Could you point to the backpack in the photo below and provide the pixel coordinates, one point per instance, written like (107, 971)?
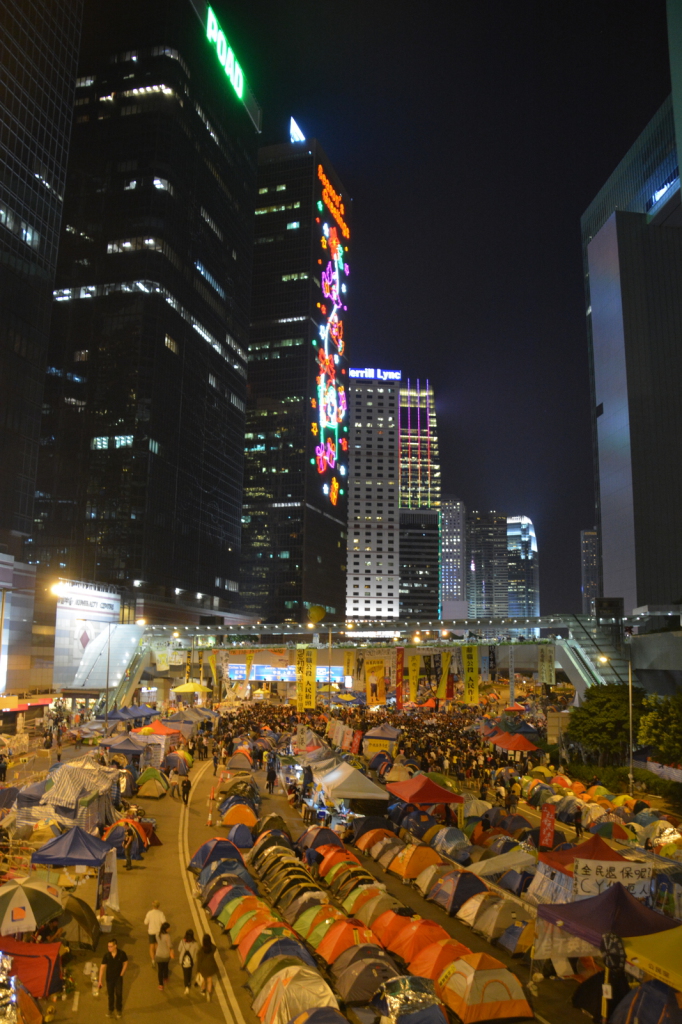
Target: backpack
(187, 959)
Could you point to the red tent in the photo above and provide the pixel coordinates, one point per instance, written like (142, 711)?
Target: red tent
(36, 965)
(159, 728)
(421, 790)
(593, 849)
(513, 742)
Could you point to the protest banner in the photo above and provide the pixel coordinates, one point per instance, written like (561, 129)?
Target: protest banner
(547, 820)
(590, 877)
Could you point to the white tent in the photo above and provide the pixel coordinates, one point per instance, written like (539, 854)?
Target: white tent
(514, 860)
(347, 783)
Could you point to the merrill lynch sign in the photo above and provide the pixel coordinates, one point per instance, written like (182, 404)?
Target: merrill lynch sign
(371, 374)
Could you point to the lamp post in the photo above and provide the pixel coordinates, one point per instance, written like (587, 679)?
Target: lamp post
(631, 776)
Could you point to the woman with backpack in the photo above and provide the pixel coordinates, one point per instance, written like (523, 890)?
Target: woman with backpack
(188, 948)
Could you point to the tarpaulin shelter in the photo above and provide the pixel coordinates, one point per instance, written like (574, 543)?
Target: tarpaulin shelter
(37, 966)
(515, 860)
(74, 847)
(420, 790)
(412, 860)
(478, 987)
(659, 955)
(575, 929)
(347, 783)
(418, 933)
(431, 960)
(453, 890)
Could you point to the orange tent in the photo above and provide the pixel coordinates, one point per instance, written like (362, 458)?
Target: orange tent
(159, 729)
(240, 814)
(246, 904)
(264, 917)
(412, 860)
(578, 787)
(480, 831)
(341, 936)
(388, 926)
(431, 960)
(420, 932)
(478, 987)
(336, 856)
(372, 837)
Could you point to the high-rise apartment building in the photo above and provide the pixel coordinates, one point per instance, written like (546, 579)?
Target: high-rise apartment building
(589, 569)
(296, 474)
(374, 493)
(487, 565)
(39, 52)
(632, 254)
(420, 497)
(453, 587)
(140, 478)
(523, 571)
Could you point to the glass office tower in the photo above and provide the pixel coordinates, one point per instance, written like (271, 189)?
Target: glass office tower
(487, 565)
(523, 570)
(589, 570)
(296, 472)
(140, 480)
(453, 587)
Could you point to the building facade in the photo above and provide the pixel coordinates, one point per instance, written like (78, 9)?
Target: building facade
(523, 570)
(140, 476)
(589, 569)
(39, 46)
(420, 500)
(453, 587)
(487, 565)
(632, 256)
(296, 472)
(374, 495)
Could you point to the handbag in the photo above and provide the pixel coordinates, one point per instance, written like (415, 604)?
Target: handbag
(198, 979)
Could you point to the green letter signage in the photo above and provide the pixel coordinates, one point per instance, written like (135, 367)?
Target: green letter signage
(226, 56)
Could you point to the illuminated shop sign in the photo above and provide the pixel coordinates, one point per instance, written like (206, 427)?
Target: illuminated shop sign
(330, 425)
(231, 66)
(371, 374)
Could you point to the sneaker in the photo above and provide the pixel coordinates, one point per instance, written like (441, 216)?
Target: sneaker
(160, 988)
(119, 1015)
(186, 991)
(108, 1015)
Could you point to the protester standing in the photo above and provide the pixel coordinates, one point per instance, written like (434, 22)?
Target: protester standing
(113, 967)
(188, 951)
(128, 840)
(154, 918)
(186, 787)
(271, 778)
(164, 954)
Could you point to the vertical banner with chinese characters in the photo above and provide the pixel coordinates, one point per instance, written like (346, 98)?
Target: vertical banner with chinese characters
(547, 818)
(512, 679)
(349, 664)
(413, 674)
(484, 664)
(188, 666)
(470, 659)
(249, 664)
(446, 658)
(357, 740)
(306, 684)
(399, 669)
(375, 670)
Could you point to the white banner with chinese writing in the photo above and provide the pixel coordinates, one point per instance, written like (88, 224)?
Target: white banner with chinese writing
(590, 877)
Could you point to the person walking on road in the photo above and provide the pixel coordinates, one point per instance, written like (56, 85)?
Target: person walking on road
(154, 918)
(113, 967)
(164, 954)
(271, 778)
(174, 780)
(188, 951)
(206, 966)
(128, 840)
(185, 786)
(215, 760)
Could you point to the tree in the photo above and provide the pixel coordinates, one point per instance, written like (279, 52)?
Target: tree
(602, 723)
(661, 726)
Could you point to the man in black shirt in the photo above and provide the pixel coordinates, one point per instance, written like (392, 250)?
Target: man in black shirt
(115, 964)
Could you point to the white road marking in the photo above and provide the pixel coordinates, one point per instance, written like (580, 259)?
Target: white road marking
(226, 997)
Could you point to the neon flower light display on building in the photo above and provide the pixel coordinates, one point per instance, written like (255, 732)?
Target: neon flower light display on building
(330, 426)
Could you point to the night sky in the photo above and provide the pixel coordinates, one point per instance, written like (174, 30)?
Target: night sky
(471, 137)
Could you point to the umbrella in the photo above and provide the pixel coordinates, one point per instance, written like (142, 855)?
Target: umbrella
(25, 906)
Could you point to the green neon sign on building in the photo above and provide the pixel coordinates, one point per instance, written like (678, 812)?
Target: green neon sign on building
(226, 56)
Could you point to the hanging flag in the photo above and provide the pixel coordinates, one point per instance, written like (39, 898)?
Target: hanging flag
(547, 818)
(349, 663)
(413, 673)
(446, 658)
(470, 659)
(306, 678)
(399, 669)
(249, 663)
(374, 680)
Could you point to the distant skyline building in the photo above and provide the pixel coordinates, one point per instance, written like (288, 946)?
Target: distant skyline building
(373, 505)
(295, 516)
(38, 76)
(420, 497)
(142, 447)
(523, 571)
(589, 569)
(487, 565)
(453, 589)
(632, 258)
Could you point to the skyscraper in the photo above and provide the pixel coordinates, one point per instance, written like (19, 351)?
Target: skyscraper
(523, 572)
(589, 569)
(374, 493)
(453, 589)
(141, 463)
(632, 256)
(487, 565)
(39, 46)
(420, 496)
(296, 474)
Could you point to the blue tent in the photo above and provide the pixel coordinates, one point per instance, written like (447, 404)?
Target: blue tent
(418, 823)
(75, 847)
(397, 811)
(234, 884)
(509, 938)
(427, 1015)
(8, 796)
(228, 893)
(515, 881)
(126, 746)
(495, 815)
(449, 841)
(241, 836)
(213, 849)
(379, 759)
(654, 1002)
(454, 889)
(316, 836)
(114, 716)
(232, 801)
(514, 822)
(215, 868)
(289, 947)
(174, 760)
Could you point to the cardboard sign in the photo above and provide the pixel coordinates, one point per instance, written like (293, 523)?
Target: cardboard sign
(590, 877)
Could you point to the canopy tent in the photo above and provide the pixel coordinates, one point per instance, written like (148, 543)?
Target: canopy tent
(576, 929)
(74, 847)
(517, 741)
(383, 732)
(422, 791)
(515, 860)
(126, 745)
(158, 729)
(659, 955)
(37, 967)
(347, 783)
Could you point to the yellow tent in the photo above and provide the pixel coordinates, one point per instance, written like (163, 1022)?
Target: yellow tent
(412, 860)
(240, 814)
(659, 955)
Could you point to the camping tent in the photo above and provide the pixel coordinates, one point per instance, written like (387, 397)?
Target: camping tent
(37, 967)
(478, 987)
(514, 860)
(412, 860)
(79, 923)
(347, 783)
(74, 847)
(422, 791)
(453, 890)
